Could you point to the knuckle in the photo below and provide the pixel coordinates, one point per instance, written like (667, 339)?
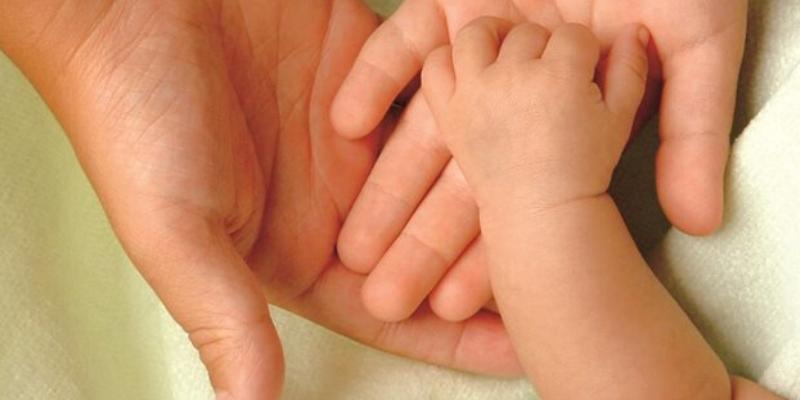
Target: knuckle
(472, 30)
(575, 29)
(225, 338)
(480, 27)
(536, 29)
(436, 59)
(559, 70)
(579, 34)
(484, 22)
(530, 31)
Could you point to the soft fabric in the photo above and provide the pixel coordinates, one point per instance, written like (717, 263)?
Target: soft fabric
(77, 321)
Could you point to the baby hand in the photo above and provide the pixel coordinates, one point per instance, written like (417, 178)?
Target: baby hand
(522, 113)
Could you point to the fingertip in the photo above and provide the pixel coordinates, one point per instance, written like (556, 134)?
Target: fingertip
(437, 58)
(691, 219)
(690, 183)
(524, 42)
(385, 301)
(577, 45)
(350, 116)
(451, 303)
(403, 278)
(244, 361)
(477, 45)
(445, 301)
(485, 343)
(463, 291)
(209, 289)
(389, 60)
(352, 247)
(744, 389)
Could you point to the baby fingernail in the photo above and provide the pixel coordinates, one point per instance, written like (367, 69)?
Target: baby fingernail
(644, 36)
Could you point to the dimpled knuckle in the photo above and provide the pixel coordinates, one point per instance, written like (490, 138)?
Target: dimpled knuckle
(558, 70)
(474, 29)
(539, 31)
(580, 34)
(436, 59)
(529, 29)
(226, 340)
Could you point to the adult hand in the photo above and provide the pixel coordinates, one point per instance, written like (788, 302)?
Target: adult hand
(203, 126)
(697, 46)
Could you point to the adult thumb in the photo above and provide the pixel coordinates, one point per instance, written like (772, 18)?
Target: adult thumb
(207, 287)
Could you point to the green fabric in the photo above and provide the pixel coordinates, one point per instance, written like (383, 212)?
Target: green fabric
(384, 7)
(78, 322)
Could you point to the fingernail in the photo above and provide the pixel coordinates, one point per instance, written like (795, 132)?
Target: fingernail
(224, 396)
(644, 36)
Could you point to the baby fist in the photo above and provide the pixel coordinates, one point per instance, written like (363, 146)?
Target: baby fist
(522, 114)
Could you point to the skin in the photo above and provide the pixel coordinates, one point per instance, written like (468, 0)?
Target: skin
(538, 139)
(693, 75)
(203, 126)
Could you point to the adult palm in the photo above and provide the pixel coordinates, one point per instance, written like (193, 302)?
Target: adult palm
(699, 44)
(203, 127)
(696, 51)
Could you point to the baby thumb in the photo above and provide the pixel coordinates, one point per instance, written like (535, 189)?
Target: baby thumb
(207, 287)
(626, 73)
